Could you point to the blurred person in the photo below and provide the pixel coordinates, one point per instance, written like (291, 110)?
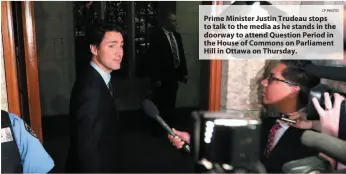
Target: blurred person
(286, 89)
(329, 120)
(167, 66)
(94, 120)
(329, 116)
(328, 123)
(300, 117)
(21, 150)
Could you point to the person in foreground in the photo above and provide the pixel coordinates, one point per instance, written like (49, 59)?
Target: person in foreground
(94, 123)
(167, 66)
(286, 89)
(21, 150)
(328, 123)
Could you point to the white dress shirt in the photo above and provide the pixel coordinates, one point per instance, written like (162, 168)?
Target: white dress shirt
(280, 132)
(105, 76)
(169, 40)
(283, 128)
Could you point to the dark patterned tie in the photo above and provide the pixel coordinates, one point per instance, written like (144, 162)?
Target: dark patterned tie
(174, 50)
(110, 88)
(271, 138)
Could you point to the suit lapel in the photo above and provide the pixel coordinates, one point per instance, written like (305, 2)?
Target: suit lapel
(284, 140)
(179, 44)
(102, 83)
(165, 39)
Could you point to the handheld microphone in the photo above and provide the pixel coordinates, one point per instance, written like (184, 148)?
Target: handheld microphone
(332, 147)
(151, 110)
(327, 72)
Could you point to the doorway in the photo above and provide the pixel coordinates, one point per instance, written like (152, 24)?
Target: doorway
(137, 48)
(20, 60)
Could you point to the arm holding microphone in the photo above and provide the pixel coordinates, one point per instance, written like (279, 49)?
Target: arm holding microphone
(328, 145)
(329, 120)
(301, 121)
(182, 139)
(329, 117)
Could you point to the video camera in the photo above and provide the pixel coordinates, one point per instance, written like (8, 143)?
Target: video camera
(227, 142)
(331, 73)
(314, 163)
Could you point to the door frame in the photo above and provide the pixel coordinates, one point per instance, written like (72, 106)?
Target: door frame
(32, 80)
(10, 62)
(29, 33)
(215, 80)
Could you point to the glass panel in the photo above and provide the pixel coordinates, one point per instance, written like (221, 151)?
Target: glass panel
(145, 22)
(116, 12)
(85, 14)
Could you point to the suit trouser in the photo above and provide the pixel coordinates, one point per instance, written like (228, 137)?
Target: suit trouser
(164, 98)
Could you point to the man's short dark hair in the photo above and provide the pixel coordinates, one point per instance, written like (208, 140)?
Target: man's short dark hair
(295, 72)
(167, 14)
(99, 30)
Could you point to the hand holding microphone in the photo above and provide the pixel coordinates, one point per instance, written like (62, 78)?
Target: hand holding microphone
(329, 117)
(151, 110)
(300, 118)
(179, 140)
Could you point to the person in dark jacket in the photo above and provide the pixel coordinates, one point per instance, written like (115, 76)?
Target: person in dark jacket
(286, 89)
(167, 66)
(94, 120)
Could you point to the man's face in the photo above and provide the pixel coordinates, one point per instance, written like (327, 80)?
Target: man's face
(172, 22)
(110, 52)
(276, 88)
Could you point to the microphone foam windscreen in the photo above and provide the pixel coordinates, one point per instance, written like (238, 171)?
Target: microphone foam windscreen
(149, 108)
(322, 142)
(308, 138)
(331, 146)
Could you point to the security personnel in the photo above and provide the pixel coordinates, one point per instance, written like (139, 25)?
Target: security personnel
(21, 151)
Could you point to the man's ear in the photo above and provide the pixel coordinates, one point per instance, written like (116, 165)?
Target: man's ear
(295, 90)
(93, 49)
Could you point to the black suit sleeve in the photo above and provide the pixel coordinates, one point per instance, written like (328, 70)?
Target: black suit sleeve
(183, 65)
(153, 58)
(89, 129)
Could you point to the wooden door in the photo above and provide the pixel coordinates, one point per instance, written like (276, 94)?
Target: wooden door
(10, 62)
(215, 80)
(28, 42)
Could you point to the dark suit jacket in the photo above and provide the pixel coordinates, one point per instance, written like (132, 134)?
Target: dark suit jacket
(288, 148)
(160, 58)
(94, 128)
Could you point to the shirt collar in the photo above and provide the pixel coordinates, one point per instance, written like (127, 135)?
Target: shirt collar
(284, 125)
(105, 76)
(166, 31)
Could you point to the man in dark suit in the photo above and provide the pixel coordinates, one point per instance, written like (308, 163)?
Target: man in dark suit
(167, 66)
(94, 125)
(286, 89)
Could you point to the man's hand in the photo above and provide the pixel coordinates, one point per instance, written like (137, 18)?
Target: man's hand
(156, 84)
(180, 139)
(184, 80)
(330, 116)
(301, 122)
